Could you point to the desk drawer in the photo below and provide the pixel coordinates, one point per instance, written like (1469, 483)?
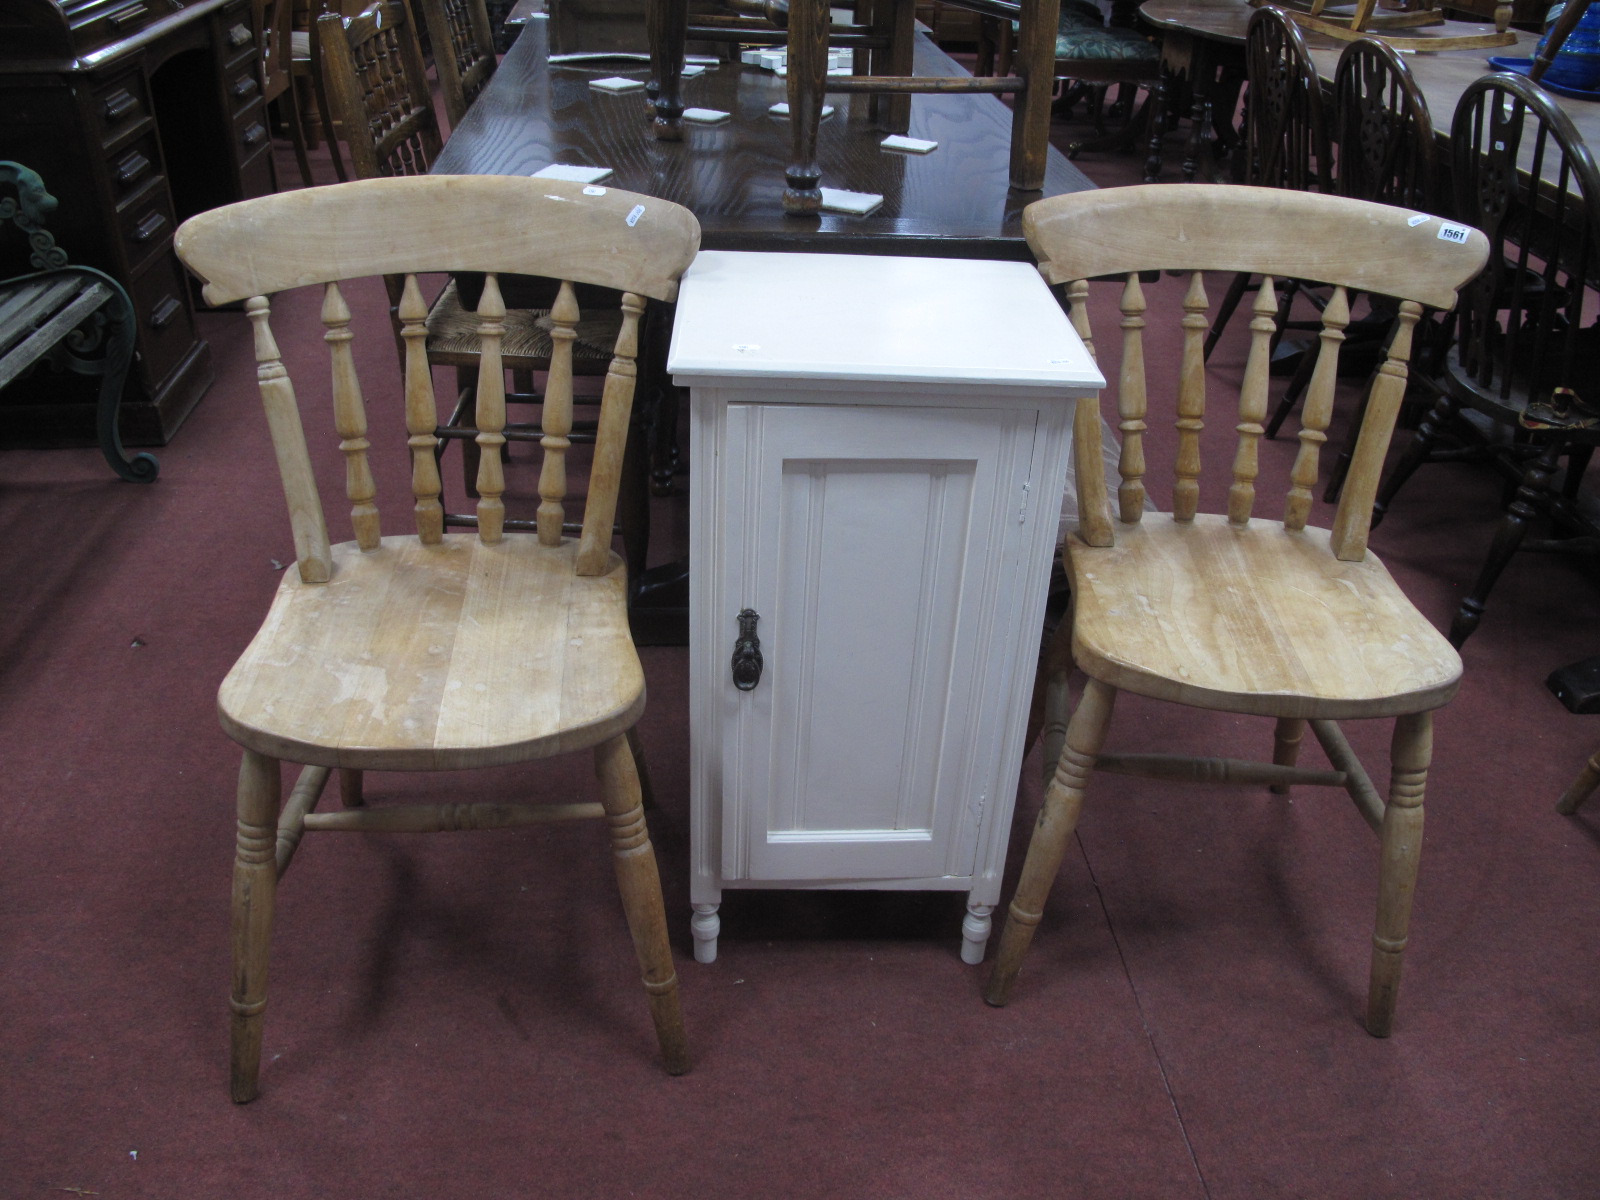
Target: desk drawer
(145, 226)
(121, 107)
(166, 324)
(134, 168)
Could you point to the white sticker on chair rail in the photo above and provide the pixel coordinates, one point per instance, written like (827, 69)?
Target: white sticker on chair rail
(617, 83)
(705, 116)
(572, 172)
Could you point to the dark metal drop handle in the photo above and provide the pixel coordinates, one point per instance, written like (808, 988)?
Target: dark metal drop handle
(747, 652)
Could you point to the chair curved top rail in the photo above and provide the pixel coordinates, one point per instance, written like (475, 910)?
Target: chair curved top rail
(1383, 126)
(1267, 231)
(620, 240)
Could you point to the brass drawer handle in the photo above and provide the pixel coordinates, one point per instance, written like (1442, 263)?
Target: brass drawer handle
(162, 314)
(132, 167)
(255, 135)
(119, 104)
(244, 86)
(149, 226)
(239, 36)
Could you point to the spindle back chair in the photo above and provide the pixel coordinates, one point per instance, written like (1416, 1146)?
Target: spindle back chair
(435, 650)
(463, 51)
(1527, 348)
(1264, 615)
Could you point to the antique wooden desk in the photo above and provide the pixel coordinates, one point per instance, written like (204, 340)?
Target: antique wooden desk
(880, 450)
(137, 115)
(955, 202)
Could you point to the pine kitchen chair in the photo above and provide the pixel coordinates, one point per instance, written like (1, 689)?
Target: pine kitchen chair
(1234, 612)
(433, 650)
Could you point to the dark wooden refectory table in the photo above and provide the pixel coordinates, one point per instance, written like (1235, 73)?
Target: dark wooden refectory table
(954, 202)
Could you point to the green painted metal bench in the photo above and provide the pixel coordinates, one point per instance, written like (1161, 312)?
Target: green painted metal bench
(65, 317)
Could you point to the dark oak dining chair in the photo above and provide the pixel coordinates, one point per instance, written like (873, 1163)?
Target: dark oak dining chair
(424, 649)
(275, 36)
(1235, 612)
(463, 51)
(1384, 131)
(1526, 354)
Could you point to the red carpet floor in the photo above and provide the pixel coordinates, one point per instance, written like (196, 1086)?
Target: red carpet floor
(459, 1016)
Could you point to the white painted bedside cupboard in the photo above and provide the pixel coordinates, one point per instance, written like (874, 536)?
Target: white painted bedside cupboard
(878, 452)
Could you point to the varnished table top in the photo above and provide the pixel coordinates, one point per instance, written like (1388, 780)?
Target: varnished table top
(953, 202)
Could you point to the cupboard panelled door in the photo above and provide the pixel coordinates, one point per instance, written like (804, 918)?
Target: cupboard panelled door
(860, 536)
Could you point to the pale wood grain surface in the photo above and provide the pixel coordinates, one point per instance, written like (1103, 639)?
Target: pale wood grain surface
(447, 223)
(1266, 231)
(1256, 619)
(433, 657)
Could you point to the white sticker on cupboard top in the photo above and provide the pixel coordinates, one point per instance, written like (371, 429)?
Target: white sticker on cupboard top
(1449, 232)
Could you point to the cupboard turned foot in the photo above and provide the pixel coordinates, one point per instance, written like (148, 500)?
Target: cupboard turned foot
(705, 925)
(975, 928)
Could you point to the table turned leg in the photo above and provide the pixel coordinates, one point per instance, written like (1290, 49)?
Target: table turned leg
(808, 73)
(1030, 117)
(667, 23)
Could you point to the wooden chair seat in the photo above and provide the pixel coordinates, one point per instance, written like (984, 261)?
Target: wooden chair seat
(1260, 620)
(441, 657)
(453, 337)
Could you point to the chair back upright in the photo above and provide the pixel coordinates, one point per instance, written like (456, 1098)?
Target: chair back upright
(380, 90)
(1286, 135)
(273, 23)
(1524, 176)
(1351, 244)
(463, 51)
(635, 244)
(1384, 129)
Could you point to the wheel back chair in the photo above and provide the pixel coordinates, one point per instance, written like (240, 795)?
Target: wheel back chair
(1385, 136)
(1285, 137)
(380, 93)
(437, 650)
(1234, 612)
(1522, 382)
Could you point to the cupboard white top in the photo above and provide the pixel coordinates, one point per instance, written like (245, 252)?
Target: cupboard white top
(866, 317)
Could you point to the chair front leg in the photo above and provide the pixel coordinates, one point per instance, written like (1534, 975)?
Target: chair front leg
(640, 884)
(1058, 817)
(255, 885)
(1401, 836)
